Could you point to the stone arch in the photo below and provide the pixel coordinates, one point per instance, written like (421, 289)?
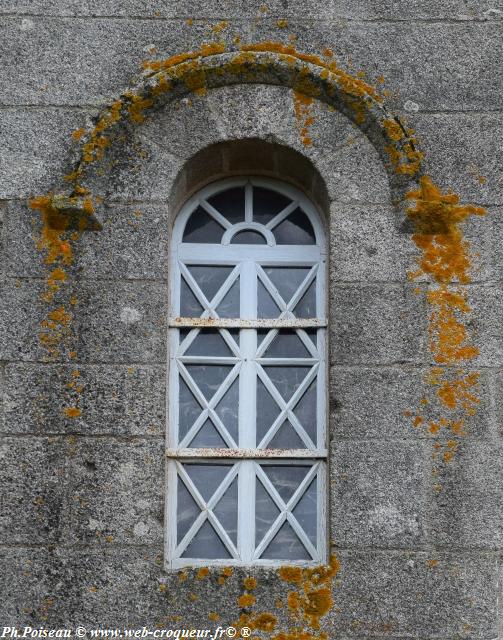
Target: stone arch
(211, 68)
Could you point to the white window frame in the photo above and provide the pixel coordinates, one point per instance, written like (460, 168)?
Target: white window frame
(267, 254)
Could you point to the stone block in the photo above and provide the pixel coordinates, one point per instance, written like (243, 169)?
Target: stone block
(36, 148)
(484, 322)
(461, 153)
(116, 491)
(21, 312)
(424, 594)
(377, 494)
(377, 324)
(114, 400)
(367, 244)
(440, 66)
(32, 476)
(28, 589)
(75, 60)
(122, 321)
(466, 503)
(371, 403)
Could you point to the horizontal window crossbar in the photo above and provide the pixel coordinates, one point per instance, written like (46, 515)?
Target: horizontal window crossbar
(239, 323)
(247, 454)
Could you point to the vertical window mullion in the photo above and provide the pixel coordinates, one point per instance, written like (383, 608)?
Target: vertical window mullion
(247, 411)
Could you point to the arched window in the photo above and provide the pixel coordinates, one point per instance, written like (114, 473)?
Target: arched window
(247, 382)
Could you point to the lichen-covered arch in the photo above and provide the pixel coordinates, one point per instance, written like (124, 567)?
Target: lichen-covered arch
(210, 67)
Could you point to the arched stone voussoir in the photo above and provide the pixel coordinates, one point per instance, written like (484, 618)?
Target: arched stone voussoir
(169, 80)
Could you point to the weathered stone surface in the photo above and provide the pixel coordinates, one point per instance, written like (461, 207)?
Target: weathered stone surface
(377, 494)
(466, 508)
(462, 79)
(370, 403)
(462, 153)
(497, 385)
(485, 323)
(390, 593)
(367, 243)
(122, 321)
(92, 74)
(32, 476)
(377, 324)
(116, 491)
(114, 400)
(21, 312)
(28, 588)
(36, 146)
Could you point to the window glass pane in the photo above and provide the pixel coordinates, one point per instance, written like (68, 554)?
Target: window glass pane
(286, 478)
(209, 278)
(186, 510)
(206, 545)
(266, 512)
(287, 279)
(305, 411)
(208, 378)
(228, 410)
(208, 342)
(201, 227)
(286, 379)
(229, 307)
(267, 411)
(230, 203)
(306, 307)
(286, 344)
(266, 307)
(286, 438)
(306, 511)
(208, 436)
(286, 546)
(248, 237)
(207, 477)
(267, 204)
(226, 510)
(188, 409)
(189, 305)
(296, 229)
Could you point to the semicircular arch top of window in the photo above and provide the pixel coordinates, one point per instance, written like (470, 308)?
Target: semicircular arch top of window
(250, 213)
(247, 380)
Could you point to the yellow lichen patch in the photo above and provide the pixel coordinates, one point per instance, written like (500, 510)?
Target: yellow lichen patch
(72, 412)
(313, 598)
(78, 133)
(202, 573)
(394, 130)
(246, 600)
(219, 27)
(250, 583)
(432, 563)
(138, 107)
(182, 576)
(282, 24)
(54, 224)
(302, 107)
(213, 616)
(445, 258)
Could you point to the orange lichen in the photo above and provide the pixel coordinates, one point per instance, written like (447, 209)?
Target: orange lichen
(202, 573)
(213, 616)
(182, 576)
(250, 583)
(291, 574)
(302, 107)
(264, 622)
(78, 133)
(72, 412)
(246, 600)
(282, 24)
(445, 258)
